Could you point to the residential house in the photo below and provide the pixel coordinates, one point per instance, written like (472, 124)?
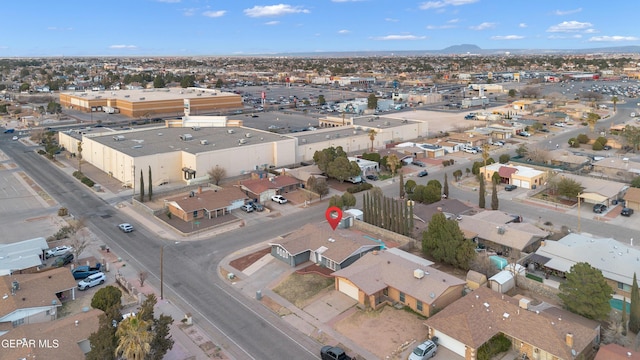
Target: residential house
(632, 198)
(621, 169)
(597, 191)
(205, 204)
(567, 159)
(521, 176)
(467, 139)
(497, 231)
(34, 298)
(66, 338)
(421, 151)
(422, 213)
(505, 130)
(617, 261)
(447, 146)
(366, 166)
(616, 352)
(264, 188)
(22, 256)
(395, 276)
(320, 244)
(464, 326)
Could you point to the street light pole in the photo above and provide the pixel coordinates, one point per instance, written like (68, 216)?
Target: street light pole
(162, 272)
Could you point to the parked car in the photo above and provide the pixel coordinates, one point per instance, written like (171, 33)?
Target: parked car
(91, 281)
(599, 208)
(426, 350)
(626, 212)
(372, 177)
(247, 208)
(419, 163)
(606, 147)
(14, 138)
(470, 150)
(57, 251)
(82, 272)
(498, 143)
(126, 227)
(510, 187)
(559, 124)
(279, 199)
(63, 260)
(333, 353)
(423, 173)
(524, 133)
(256, 206)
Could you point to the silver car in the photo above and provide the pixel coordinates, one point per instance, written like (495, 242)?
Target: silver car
(92, 280)
(426, 350)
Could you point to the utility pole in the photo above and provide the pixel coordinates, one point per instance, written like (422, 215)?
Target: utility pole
(162, 272)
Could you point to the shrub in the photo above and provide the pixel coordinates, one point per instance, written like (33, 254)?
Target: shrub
(583, 139)
(42, 152)
(597, 146)
(359, 187)
(504, 158)
(602, 140)
(496, 345)
(78, 175)
(85, 180)
(574, 143)
(533, 277)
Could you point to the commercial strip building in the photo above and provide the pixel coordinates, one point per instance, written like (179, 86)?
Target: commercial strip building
(147, 102)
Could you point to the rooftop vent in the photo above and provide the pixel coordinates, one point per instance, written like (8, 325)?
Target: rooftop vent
(247, 135)
(231, 131)
(118, 138)
(418, 273)
(204, 142)
(186, 137)
(143, 98)
(242, 141)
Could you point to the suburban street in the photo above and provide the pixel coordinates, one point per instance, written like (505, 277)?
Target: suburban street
(245, 329)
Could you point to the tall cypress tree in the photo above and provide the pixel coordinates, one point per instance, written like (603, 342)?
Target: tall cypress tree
(141, 187)
(494, 196)
(624, 316)
(150, 184)
(401, 185)
(481, 193)
(634, 314)
(445, 188)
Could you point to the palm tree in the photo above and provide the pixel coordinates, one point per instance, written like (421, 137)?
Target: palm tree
(592, 120)
(134, 338)
(615, 101)
(372, 137)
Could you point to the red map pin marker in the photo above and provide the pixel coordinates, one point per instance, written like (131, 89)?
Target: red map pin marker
(334, 216)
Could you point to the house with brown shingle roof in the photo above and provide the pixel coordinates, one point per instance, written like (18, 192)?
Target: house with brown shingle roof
(497, 231)
(320, 244)
(467, 324)
(394, 276)
(616, 352)
(66, 338)
(264, 188)
(632, 198)
(422, 213)
(205, 204)
(33, 298)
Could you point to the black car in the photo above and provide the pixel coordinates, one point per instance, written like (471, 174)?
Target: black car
(372, 177)
(419, 163)
(626, 212)
(510, 187)
(63, 260)
(599, 208)
(423, 173)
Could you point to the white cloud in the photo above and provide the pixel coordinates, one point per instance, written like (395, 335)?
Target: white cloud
(614, 38)
(342, 32)
(574, 36)
(522, 25)
(440, 27)
(400, 37)
(570, 26)
(189, 12)
(444, 3)
(391, 20)
(123, 47)
(507, 37)
(483, 26)
(567, 12)
(274, 10)
(214, 14)
(275, 22)
(453, 21)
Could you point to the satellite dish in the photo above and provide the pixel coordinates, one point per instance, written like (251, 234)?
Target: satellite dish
(432, 295)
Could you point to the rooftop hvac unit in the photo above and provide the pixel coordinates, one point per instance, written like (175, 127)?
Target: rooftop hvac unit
(247, 135)
(231, 131)
(418, 273)
(143, 98)
(127, 96)
(195, 128)
(185, 137)
(204, 142)
(242, 141)
(118, 138)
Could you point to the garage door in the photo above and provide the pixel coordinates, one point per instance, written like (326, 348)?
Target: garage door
(450, 343)
(516, 182)
(525, 184)
(346, 288)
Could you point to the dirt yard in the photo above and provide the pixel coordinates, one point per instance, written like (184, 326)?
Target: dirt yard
(387, 332)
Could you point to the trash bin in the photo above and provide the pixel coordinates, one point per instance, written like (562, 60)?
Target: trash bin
(259, 295)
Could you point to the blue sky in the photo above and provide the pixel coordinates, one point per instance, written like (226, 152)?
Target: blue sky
(240, 27)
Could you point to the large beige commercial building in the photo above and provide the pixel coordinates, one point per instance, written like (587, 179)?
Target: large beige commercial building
(148, 102)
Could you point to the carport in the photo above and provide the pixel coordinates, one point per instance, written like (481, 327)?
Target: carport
(593, 198)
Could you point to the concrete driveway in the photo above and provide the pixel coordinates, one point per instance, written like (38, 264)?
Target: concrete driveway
(329, 306)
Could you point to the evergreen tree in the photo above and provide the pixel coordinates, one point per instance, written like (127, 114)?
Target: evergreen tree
(401, 185)
(586, 292)
(445, 189)
(624, 316)
(104, 341)
(150, 185)
(494, 196)
(481, 193)
(141, 187)
(107, 297)
(634, 314)
(445, 242)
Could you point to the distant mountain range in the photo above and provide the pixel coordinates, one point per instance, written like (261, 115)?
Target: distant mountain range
(469, 49)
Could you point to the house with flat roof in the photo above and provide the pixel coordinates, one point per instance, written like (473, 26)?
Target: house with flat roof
(66, 338)
(621, 169)
(518, 175)
(264, 188)
(321, 245)
(36, 297)
(617, 261)
(394, 276)
(22, 256)
(597, 191)
(467, 324)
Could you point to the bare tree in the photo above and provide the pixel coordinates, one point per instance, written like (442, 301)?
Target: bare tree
(218, 173)
(81, 238)
(614, 332)
(142, 276)
(538, 154)
(482, 264)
